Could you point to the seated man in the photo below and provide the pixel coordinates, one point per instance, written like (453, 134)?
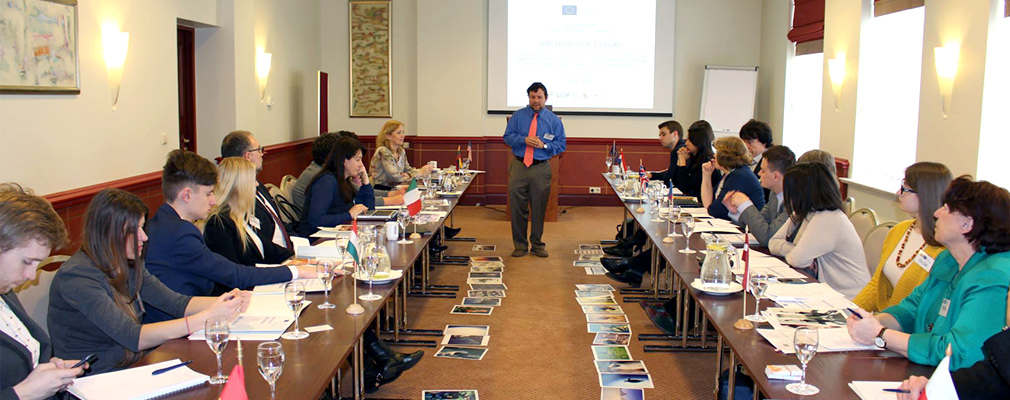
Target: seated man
(764, 223)
(176, 251)
(243, 144)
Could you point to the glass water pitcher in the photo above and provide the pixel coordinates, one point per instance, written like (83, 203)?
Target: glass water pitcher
(715, 272)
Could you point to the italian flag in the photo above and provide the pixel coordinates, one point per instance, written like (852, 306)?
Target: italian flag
(412, 198)
(352, 242)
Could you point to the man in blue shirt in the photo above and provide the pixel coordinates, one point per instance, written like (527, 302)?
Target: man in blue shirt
(535, 135)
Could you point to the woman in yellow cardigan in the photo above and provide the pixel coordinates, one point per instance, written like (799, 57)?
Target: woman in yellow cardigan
(901, 266)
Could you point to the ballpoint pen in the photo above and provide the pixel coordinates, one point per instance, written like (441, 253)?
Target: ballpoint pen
(166, 369)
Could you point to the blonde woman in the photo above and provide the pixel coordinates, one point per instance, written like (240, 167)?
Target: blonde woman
(732, 161)
(389, 166)
(232, 229)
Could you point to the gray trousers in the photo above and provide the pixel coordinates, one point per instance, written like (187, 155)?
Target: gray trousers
(528, 188)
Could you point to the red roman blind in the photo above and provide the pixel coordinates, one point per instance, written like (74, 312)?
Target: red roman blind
(808, 26)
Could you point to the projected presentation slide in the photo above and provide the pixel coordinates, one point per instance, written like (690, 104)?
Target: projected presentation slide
(589, 54)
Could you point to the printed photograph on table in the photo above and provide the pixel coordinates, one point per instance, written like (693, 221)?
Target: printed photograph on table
(466, 330)
(485, 274)
(622, 394)
(612, 339)
(483, 247)
(477, 259)
(621, 367)
(595, 286)
(602, 310)
(815, 318)
(591, 293)
(487, 268)
(630, 381)
(610, 353)
(488, 286)
(616, 328)
(462, 353)
(471, 310)
(449, 395)
(465, 340)
(607, 318)
(482, 301)
(485, 293)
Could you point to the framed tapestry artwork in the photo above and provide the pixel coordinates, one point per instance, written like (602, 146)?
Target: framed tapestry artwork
(38, 47)
(370, 45)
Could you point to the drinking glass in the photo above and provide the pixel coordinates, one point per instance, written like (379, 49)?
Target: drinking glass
(371, 264)
(609, 162)
(805, 344)
(216, 331)
(758, 284)
(687, 226)
(466, 165)
(270, 359)
(403, 218)
(294, 295)
(672, 218)
(324, 271)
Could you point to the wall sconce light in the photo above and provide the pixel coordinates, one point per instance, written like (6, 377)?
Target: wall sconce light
(263, 71)
(946, 69)
(836, 72)
(115, 45)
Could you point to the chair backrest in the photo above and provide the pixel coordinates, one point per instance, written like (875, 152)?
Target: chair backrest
(848, 205)
(287, 184)
(873, 245)
(288, 211)
(863, 220)
(34, 294)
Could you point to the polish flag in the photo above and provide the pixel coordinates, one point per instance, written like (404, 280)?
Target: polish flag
(412, 198)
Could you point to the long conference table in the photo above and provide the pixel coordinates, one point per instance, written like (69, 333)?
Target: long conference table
(830, 372)
(312, 364)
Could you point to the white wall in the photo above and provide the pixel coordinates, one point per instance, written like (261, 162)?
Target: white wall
(776, 50)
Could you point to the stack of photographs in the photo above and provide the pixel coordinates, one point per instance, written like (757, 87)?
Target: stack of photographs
(486, 286)
(464, 342)
(620, 376)
(590, 262)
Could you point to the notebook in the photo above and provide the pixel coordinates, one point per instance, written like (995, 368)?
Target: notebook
(137, 383)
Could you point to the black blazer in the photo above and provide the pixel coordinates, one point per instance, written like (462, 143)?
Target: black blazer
(989, 378)
(266, 221)
(222, 238)
(17, 363)
(670, 175)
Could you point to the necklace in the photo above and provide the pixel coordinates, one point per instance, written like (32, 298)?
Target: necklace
(897, 258)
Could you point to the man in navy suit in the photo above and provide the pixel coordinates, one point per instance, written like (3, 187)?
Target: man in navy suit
(244, 145)
(176, 251)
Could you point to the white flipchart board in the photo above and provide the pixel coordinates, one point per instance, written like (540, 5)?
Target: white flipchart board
(728, 98)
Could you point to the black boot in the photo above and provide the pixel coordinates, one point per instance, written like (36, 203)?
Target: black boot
(616, 265)
(386, 367)
(372, 376)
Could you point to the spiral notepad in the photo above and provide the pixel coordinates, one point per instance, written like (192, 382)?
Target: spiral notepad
(137, 383)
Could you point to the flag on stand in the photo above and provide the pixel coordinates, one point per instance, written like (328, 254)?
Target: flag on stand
(352, 241)
(746, 258)
(941, 385)
(643, 178)
(412, 198)
(235, 388)
(670, 196)
(459, 158)
(620, 158)
(469, 151)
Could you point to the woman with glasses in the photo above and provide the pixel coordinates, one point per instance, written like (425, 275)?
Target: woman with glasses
(733, 161)
(910, 247)
(389, 164)
(232, 229)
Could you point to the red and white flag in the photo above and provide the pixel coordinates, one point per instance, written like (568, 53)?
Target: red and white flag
(941, 385)
(745, 257)
(235, 388)
(412, 198)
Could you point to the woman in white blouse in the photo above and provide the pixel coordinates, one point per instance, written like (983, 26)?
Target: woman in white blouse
(818, 236)
(29, 230)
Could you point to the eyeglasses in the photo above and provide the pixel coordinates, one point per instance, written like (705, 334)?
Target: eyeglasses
(258, 149)
(905, 189)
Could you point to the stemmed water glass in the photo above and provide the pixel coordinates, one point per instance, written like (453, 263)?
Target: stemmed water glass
(687, 226)
(402, 219)
(805, 343)
(324, 271)
(609, 162)
(294, 295)
(216, 330)
(371, 262)
(270, 359)
(758, 284)
(672, 220)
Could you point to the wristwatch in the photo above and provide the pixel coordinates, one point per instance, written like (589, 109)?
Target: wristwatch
(879, 340)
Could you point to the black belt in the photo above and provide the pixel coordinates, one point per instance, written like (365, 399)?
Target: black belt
(535, 162)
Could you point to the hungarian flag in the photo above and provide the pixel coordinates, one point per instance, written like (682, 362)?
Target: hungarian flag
(459, 158)
(469, 151)
(235, 388)
(352, 242)
(941, 385)
(412, 198)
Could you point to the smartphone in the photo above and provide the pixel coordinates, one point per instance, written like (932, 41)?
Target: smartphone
(89, 359)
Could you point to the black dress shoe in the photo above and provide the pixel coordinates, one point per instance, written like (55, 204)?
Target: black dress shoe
(451, 232)
(616, 265)
(618, 251)
(631, 278)
(407, 361)
(436, 248)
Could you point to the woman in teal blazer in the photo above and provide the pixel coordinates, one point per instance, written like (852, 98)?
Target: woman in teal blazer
(963, 301)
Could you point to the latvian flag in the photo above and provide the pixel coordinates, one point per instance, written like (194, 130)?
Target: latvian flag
(412, 198)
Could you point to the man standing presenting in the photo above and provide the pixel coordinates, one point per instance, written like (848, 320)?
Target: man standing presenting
(535, 135)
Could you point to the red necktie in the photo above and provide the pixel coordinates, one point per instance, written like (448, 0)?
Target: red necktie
(277, 221)
(528, 157)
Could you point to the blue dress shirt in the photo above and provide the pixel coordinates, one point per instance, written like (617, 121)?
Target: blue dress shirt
(549, 130)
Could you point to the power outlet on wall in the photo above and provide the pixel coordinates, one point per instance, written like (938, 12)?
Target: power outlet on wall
(594, 190)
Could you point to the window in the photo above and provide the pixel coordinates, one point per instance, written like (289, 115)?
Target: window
(887, 117)
(993, 138)
(801, 127)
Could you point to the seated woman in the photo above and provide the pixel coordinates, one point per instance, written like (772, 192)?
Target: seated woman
(331, 199)
(733, 162)
(99, 296)
(910, 245)
(961, 303)
(236, 192)
(818, 235)
(30, 230)
(696, 152)
(389, 164)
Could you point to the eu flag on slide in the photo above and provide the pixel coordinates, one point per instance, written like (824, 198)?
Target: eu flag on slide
(569, 10)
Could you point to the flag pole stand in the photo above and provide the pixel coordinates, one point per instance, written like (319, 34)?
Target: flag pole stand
(415, 235)
(742, 323)
(355, 309)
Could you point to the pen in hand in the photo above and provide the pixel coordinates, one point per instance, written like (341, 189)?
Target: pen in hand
(166, 369)
(896, 391)
(855, 314)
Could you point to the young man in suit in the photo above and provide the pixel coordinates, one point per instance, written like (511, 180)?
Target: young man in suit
(177, 253)
(764, 223)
